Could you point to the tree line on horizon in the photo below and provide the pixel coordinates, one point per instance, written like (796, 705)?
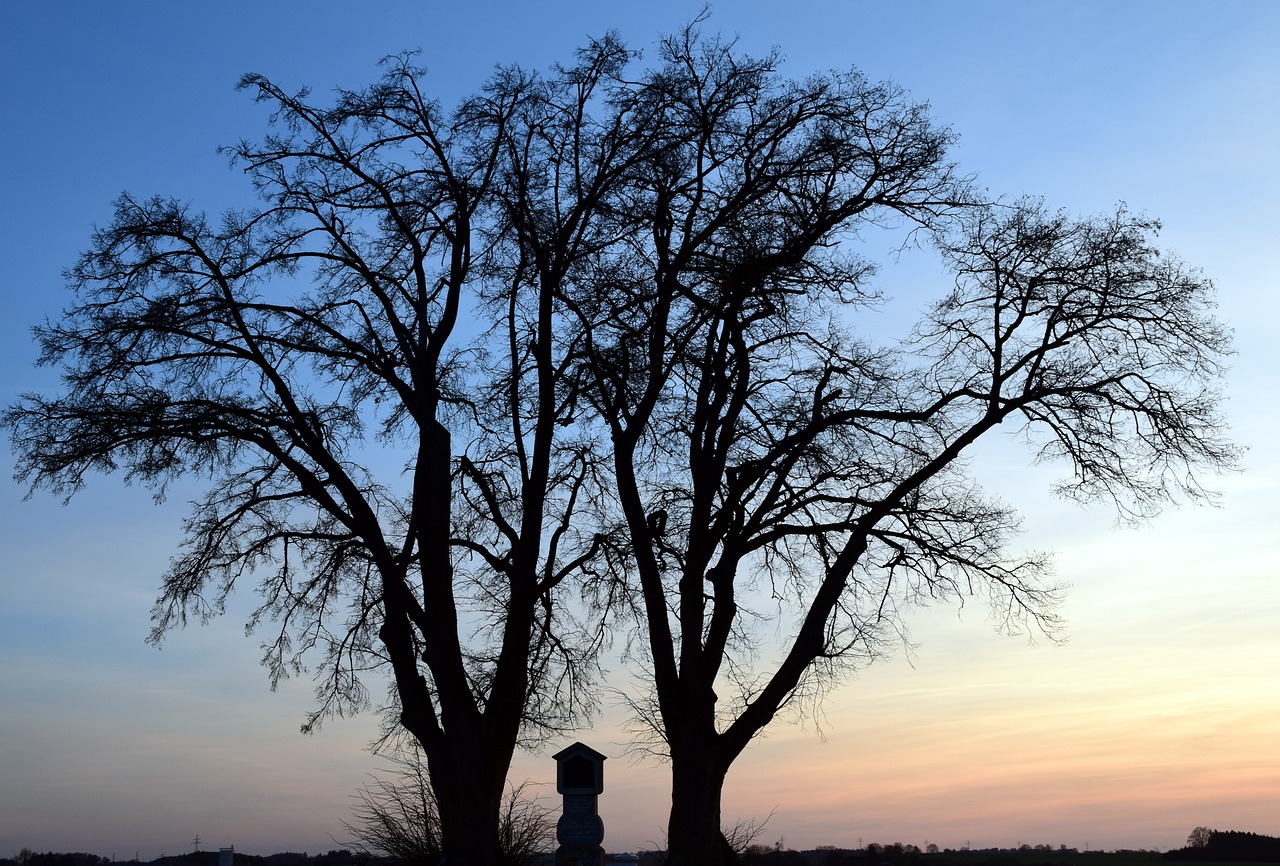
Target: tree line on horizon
(1203, 845)
(1209, 845)
(335, 857)
(598, 361)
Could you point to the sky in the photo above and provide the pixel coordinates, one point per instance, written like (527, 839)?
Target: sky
(1161, 711)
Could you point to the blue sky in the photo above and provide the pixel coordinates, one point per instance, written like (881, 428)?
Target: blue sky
(1158, 715)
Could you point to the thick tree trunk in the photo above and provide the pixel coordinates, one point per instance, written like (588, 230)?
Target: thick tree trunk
(693, 830)
(469, 793)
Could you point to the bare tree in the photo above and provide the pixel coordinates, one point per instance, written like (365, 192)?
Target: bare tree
(376, 394)
(777, 460)
(1200, 837)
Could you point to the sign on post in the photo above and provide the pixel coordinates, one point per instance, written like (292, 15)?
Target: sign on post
(580, 781)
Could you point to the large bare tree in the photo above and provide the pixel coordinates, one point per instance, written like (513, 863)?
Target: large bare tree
(371, 379)
(778, 459)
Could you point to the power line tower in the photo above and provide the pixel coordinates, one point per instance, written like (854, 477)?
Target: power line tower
(196, 842)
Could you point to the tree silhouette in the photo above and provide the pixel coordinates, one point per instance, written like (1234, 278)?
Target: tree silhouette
(607, 332)
(779, 461)
(1200, 837)
(375, 392)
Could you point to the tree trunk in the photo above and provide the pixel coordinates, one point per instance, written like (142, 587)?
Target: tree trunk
(693, 830)
(469, 796)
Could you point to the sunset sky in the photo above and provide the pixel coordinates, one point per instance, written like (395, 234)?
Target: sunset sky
(1161, 711)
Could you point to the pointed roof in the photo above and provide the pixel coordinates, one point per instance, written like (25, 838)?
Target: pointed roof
(579, 749)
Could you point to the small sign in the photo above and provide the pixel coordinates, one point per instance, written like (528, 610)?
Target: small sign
(580, 779)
